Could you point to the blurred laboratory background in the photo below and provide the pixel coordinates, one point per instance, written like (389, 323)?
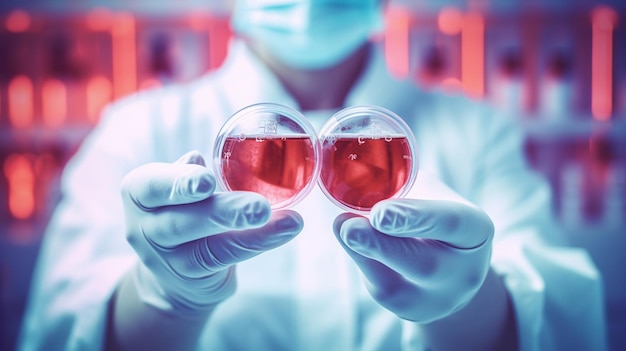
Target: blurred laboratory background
(558, 68)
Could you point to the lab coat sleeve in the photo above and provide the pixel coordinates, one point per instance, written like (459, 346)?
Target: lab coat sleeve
(555, 289)
(84, 252)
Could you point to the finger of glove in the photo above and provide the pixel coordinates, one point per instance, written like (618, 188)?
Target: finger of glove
(423, 261)
(386, 285)
(192, 157)
(459, 225)
(155, 185)
(171, 226)
(207, 255)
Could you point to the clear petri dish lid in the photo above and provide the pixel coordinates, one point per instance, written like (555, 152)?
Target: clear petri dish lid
(270, 149)
(368, 154)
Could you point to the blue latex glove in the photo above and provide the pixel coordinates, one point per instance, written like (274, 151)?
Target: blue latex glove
(189, 238)
(422, 259)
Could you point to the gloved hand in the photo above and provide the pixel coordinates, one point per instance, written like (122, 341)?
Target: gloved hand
(421, 259)
(189, 238)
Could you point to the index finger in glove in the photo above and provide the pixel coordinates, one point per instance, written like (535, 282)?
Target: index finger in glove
(207, 255)
(456, 224)
(175, 225)
(424, 261)
(378, 274)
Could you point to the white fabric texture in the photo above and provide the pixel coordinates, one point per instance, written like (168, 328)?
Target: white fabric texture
(307, 295)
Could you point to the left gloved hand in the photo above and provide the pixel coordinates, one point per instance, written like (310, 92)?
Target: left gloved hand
(422, 259)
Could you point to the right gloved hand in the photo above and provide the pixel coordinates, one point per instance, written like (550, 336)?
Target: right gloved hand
(189, 238)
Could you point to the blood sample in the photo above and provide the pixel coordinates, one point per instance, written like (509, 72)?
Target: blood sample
(368, 155)
(269, 149)
(359, 173)
(277, 168)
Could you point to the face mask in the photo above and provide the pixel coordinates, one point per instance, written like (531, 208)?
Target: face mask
(308, 34)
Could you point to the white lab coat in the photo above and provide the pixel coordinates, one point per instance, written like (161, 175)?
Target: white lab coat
(307, 295)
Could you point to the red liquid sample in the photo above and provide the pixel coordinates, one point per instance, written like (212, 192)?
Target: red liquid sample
(360, 172)
(277, 168)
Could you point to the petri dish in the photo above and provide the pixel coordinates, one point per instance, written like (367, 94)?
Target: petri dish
(270, 149)
(368, 154)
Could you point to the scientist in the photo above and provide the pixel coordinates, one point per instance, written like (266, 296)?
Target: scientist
(468, 260)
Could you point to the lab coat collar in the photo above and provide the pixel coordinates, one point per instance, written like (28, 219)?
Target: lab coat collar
(247, 81)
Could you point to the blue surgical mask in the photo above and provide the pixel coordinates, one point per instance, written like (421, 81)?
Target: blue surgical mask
(308, 34)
